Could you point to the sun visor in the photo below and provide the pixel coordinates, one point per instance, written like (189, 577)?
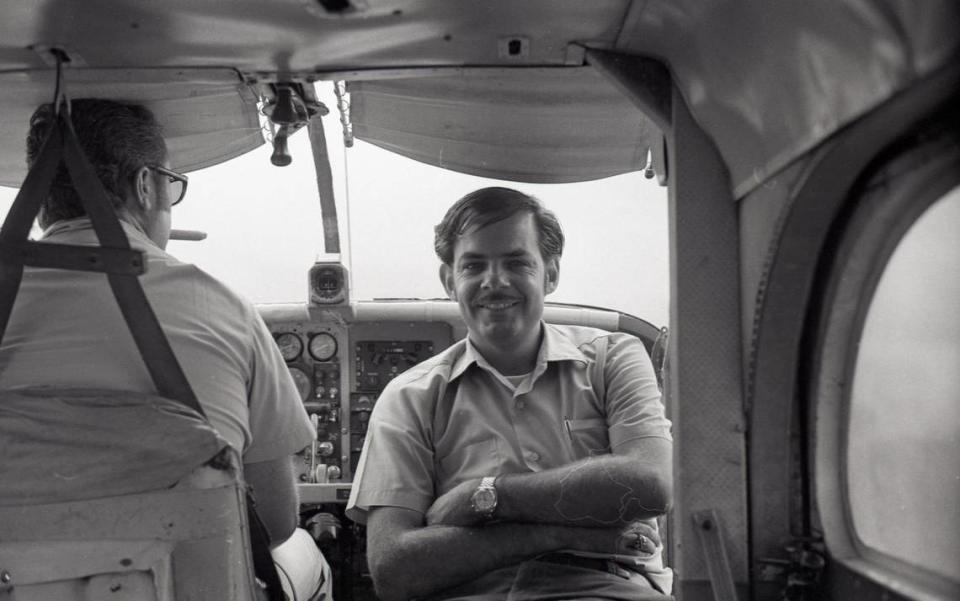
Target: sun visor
(537, 125)
(208, 115)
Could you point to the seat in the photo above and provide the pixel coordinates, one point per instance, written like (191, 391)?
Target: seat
(112, 494)
(173, 526)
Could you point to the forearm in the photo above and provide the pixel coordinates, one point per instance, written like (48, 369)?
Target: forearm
(604, 491)
(275, 494)
(457, 554)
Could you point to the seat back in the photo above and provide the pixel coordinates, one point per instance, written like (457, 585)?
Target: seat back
(66, 533)
(171, 526)
(186, 543)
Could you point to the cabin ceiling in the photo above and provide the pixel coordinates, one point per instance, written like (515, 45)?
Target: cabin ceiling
(491, 87)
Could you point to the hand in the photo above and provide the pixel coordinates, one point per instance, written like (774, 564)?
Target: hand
(638, 538)
(454, 508)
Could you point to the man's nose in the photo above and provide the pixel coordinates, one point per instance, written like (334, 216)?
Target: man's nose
(495, 277)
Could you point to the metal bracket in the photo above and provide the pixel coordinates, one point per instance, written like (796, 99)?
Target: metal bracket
(715, 554)
(802, 570)
(328, 205)
(658, 354)
(645, 81)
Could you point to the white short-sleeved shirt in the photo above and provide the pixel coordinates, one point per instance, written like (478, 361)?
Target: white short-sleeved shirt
(453, 418)
(67, 330)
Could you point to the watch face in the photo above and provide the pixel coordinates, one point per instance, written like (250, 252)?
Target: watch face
(485, 500)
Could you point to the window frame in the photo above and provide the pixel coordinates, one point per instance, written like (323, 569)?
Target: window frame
(884, 210)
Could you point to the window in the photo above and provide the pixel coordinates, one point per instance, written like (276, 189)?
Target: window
(903, 442)
(265, 228)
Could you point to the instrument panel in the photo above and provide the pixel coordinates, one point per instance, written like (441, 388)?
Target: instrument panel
(312, 353)
(339, 370)
(382, 351)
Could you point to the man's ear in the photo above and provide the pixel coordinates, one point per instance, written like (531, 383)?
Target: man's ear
(143, 189)
(552, 275)
(446, 278)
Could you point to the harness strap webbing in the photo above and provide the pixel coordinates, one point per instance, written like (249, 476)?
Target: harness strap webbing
(118, 260)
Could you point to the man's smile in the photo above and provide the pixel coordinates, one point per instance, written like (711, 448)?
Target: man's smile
(498, 304)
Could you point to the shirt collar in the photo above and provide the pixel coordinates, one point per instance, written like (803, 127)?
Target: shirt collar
(467, 358)
(555, 346)
(83, 224)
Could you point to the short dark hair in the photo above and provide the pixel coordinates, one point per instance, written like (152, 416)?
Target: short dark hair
(117, 138)
(490, 205)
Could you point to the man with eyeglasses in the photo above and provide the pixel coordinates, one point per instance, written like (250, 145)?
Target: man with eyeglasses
(67, 331)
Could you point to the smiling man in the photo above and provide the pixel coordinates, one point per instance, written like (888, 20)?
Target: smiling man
(527, 461)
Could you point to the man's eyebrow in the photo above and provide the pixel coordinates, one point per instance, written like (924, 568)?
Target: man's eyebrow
(519, 252)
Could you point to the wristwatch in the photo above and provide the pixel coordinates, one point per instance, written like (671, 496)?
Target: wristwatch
(484, 499)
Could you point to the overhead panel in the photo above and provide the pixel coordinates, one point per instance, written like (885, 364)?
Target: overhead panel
(207, 115)
(540, 125)
(768, 81)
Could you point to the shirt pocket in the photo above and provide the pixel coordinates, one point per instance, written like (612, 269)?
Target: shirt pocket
(473, 460)
(588, 436)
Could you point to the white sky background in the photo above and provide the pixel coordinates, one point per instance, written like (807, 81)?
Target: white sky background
(264, 227)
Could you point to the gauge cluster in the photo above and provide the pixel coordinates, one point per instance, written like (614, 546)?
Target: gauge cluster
(312, 353)
(376, 362)
(339, 370)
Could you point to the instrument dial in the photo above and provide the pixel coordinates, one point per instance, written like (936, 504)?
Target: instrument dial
(302, 382)
(290, 346)
(323, 346)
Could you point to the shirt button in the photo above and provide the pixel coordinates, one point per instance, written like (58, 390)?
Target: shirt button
(521, 404)
(533, 456)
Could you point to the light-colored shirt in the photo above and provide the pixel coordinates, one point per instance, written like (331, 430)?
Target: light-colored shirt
(67, 330)
(454, 418)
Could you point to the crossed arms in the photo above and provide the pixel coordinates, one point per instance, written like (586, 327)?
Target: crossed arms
(589, 505)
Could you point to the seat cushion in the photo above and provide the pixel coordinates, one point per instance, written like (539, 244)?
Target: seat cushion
(62, 445)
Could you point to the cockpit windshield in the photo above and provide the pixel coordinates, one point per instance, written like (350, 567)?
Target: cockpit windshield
(264, 226)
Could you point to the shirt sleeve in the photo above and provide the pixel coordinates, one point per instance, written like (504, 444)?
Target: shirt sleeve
(396, 468)
(633, 405)
(279, 425)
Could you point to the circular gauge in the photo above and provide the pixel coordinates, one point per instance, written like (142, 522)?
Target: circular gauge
(290, 346)
(323, 347)
(302, 382)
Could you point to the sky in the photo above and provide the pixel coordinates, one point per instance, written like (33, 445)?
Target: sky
(264, 227)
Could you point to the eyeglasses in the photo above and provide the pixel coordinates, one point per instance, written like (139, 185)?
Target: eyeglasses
(178, 182)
